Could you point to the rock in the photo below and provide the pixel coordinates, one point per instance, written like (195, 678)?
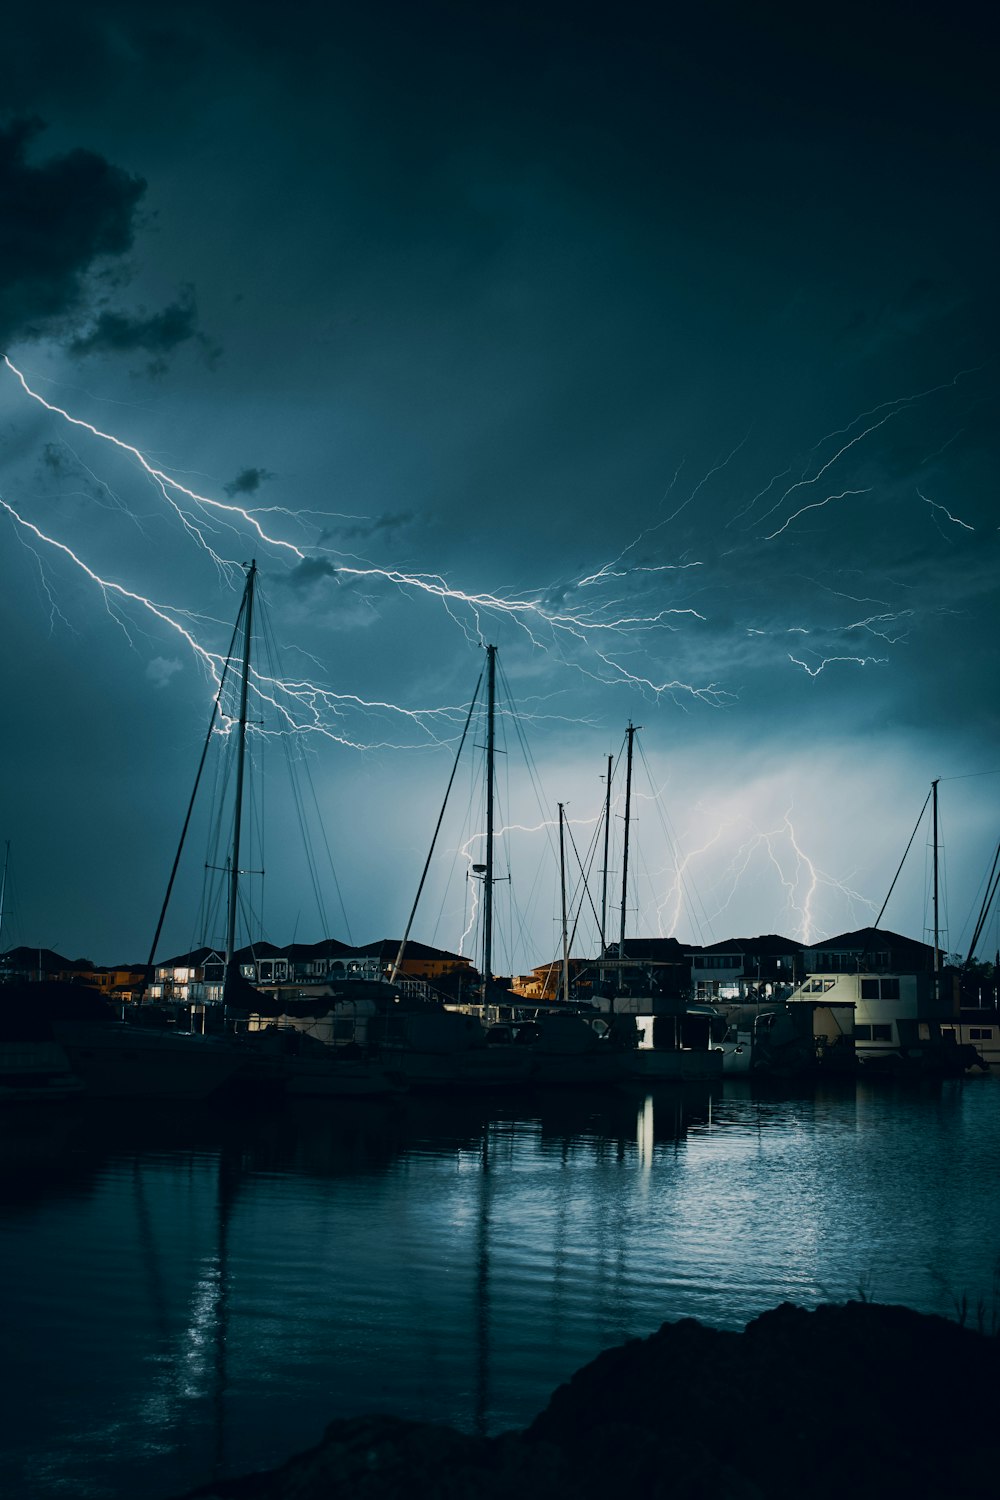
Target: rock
(863, 1400)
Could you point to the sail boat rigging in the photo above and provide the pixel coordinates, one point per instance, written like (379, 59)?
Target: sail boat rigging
(244, 619)
(485, 870)
(241, 751)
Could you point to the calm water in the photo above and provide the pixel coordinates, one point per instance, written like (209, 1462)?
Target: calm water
(191, 1298)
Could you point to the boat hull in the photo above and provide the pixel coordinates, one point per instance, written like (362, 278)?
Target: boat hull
(122, 1061)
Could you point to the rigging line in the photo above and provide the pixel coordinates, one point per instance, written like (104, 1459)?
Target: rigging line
(688, 894)
(583, 874)
(906, 851)
(993, 880)
(543, 803)
(402, 947)
(970, 775)
(295, 774)
(579, 908)
(194, 793)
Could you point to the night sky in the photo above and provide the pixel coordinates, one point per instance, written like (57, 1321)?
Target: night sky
(654, 344)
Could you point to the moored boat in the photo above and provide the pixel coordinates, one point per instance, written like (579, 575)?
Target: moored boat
(36, 1072)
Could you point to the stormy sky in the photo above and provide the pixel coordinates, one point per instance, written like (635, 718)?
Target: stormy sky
(655, 345)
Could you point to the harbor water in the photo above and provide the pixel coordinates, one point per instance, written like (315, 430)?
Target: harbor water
(192, 1295)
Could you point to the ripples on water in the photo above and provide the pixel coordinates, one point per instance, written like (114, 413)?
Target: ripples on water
(193, 1297)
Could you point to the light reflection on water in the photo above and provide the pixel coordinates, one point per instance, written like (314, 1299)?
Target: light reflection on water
(196, 1297)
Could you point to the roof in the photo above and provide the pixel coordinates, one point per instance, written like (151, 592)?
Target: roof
(662, 949)
(41, 958)
(865, 939)
(770, 944)
(387, 948)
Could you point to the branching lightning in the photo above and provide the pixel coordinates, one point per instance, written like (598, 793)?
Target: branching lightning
(609, 623)
(199, 513)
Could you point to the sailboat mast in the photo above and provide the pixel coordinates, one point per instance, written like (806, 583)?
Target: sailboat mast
(562, 888)
(628, 813)
(491, 659)
(937, 950)
(234, 874)
(607, 837)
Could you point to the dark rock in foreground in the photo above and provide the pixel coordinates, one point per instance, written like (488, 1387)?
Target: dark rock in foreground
(859, 1400)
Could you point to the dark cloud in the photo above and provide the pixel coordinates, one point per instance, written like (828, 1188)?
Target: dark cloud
(58, 220)
(247, 482)
(387, 525)
(158, 334)
(309, 571)
(56, 458)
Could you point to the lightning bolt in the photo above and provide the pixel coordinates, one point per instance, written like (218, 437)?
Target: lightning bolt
(804, 872)
(201, 514)
(954, 519)
(815, 505)
(828, 661)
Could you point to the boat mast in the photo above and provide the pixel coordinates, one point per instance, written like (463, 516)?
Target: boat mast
(234, 874)
(937, 950)
(491, 659)
(398, 963)
(562, 887)
(604, 883)
(628, 812)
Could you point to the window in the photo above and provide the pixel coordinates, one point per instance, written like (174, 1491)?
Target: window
(880, 989)
(862, 1033)
(881, 1033)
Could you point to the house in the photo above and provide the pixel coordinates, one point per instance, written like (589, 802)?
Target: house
(871, 949)
(29, 965)
(194, 978)
(742, 971)
(645, 966)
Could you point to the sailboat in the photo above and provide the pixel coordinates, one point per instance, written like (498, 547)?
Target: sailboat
(448, 1047)
(571, 1046)
(672, 1044)
(905, 1022)
(275, 1058)
(130, 1056)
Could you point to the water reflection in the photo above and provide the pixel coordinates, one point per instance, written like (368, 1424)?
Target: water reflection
(199, 1294)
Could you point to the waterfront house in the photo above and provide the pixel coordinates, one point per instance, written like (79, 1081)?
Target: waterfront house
(745, 971)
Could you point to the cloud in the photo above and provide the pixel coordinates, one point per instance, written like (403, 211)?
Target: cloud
(247, 482)
(309, 571)
(161, 669)
(58, 219)
(387, 524)
(61, 221)
(55, 457)
(158, 334)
